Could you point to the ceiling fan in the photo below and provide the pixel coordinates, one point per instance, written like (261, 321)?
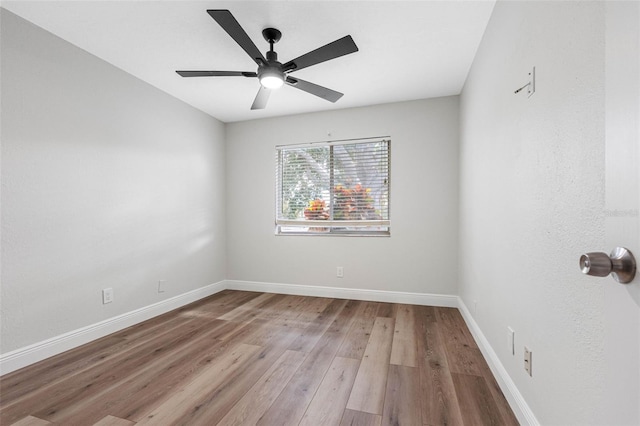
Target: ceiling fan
(271, 73)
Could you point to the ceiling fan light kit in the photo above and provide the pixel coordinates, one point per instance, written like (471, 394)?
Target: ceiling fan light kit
(271, 78)
(271, 73)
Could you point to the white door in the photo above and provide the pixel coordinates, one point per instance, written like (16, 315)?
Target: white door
(622, 153)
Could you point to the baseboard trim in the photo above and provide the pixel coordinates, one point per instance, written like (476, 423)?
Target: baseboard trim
(31, 354)
(518, 404)
(427, 299)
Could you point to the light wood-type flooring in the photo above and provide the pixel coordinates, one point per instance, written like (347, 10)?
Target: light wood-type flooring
(245, 358)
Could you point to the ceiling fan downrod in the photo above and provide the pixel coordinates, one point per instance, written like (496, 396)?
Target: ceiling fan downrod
(272, 36)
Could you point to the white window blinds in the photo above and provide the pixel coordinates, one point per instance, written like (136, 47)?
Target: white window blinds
(334, 187)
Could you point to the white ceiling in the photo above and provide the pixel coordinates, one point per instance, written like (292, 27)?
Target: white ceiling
(407, 49)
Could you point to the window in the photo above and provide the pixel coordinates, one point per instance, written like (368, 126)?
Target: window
(333, 188)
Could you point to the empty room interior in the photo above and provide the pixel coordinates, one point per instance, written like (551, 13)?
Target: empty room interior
(432, 221)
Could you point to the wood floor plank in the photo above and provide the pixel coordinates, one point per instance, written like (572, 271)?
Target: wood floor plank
(369, 387)
(113, 421)
(45, 373)
(49, 371)
(274, 321)
(308, 337)
(404, 350)
(453, 326)
(425, 314)
(233, 329)
(315, 306)
(280, 306)
(386, 310)
(476, 402)
(144, 391)
(267, 334)
(31, 421)
(45, 403)
(158, 378)
(221, 303)
(329, 402)
(247, 312)
(37, 376)
(292, 402)
(280, 310)
(182, 401)
(212, 406)
(292, 307)
(342, 322)
(402, 397)
(463, 355)
(304, 312)
(503, 406)
(359, 418)
(439, 401)
(255, 402)
(464, 360)
(357, 338)
(112, 385)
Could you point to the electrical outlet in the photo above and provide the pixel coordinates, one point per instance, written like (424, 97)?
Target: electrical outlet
(107, 296)
(339, 272)
(162, 285)
(527, 360)
(511, 335)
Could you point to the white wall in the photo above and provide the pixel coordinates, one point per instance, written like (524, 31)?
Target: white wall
(106, 182)
(532, 200)
(420, 255)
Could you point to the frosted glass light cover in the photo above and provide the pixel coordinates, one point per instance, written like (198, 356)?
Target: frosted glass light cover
(271, 81)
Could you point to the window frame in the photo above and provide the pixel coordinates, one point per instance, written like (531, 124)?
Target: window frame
(374, 227)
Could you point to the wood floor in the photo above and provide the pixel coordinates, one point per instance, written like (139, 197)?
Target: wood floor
(256, 358)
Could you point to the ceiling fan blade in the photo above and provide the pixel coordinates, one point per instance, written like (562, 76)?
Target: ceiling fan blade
(217, 74)
(333, 50)
(260, 102)
(314, 89)
(228, 23)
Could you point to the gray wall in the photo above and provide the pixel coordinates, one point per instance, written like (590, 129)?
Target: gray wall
(420, 255)
(106, 182)
(532, 200)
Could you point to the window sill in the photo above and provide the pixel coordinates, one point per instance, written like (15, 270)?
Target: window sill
(334, 234)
